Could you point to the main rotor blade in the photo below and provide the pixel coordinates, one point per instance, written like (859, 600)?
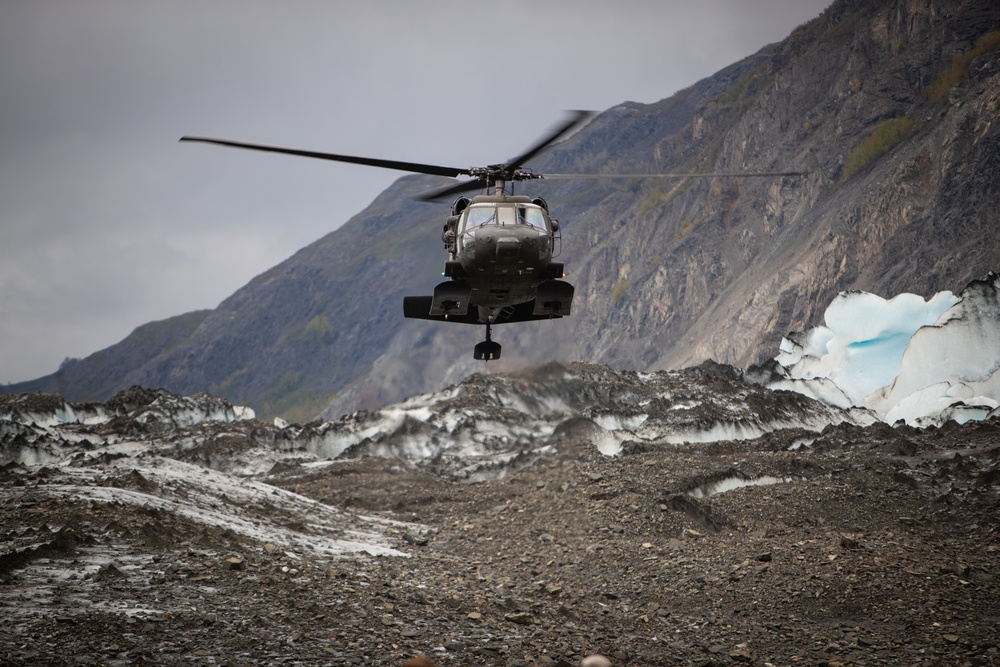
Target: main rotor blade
(449, 190)
(749, 174)
(574, 120)
(414, 167)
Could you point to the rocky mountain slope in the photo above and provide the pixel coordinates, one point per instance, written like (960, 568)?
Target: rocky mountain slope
(527, 519)
(892, 107)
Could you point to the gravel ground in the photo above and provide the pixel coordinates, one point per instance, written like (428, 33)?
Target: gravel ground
(871, 546)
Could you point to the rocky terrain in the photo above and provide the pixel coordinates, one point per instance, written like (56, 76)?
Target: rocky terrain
(534, 518)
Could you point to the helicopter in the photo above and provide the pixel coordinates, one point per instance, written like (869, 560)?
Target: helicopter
(501, 245)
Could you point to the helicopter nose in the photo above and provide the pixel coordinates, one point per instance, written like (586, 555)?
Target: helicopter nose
(508, 247)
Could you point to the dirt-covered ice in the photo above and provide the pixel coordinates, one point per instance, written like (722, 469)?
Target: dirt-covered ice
(683, 518)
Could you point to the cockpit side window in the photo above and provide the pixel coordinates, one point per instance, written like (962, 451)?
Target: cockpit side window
(477, 215)
(531, 215)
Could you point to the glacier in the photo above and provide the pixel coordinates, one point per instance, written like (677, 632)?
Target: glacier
(205, 462)
(907, 359)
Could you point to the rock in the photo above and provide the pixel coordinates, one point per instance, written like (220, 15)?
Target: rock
(741, 654)
(520, 617)
(418, 661)
(416, 541)
(849, 542)
(109, 572)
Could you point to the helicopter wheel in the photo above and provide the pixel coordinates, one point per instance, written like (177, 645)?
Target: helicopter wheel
(488, 349)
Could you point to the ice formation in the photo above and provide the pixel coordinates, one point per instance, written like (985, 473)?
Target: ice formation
(922, 362)
(193, 457)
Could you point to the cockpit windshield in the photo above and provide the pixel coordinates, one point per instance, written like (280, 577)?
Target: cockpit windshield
(487, 214)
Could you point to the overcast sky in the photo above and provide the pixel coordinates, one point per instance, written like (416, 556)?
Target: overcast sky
(107, 222)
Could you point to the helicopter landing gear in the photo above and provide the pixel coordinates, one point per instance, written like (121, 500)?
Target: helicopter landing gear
(488, 349)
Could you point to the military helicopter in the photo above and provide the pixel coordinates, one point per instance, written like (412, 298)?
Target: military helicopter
(501, 244)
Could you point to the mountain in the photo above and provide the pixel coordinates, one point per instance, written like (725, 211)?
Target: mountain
(891, 107)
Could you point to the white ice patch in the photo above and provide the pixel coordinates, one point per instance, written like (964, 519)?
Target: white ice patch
(716, 433)
(920, 362)
(179, 411)
(800, 443)
(862, 344)
(821, 389)
(619, 422)
(733, 483)
(537, 405)
(243, 506)
(338, 436)
(608, 442)
(750, 428)
(927, 406)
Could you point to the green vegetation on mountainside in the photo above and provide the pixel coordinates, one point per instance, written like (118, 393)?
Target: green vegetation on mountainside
(887, 135)
(958, 71)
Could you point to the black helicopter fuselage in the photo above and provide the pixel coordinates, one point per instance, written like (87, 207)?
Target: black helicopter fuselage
(501, 269)
(503, 244)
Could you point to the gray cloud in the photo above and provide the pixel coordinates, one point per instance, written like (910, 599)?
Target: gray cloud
(107, 222)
